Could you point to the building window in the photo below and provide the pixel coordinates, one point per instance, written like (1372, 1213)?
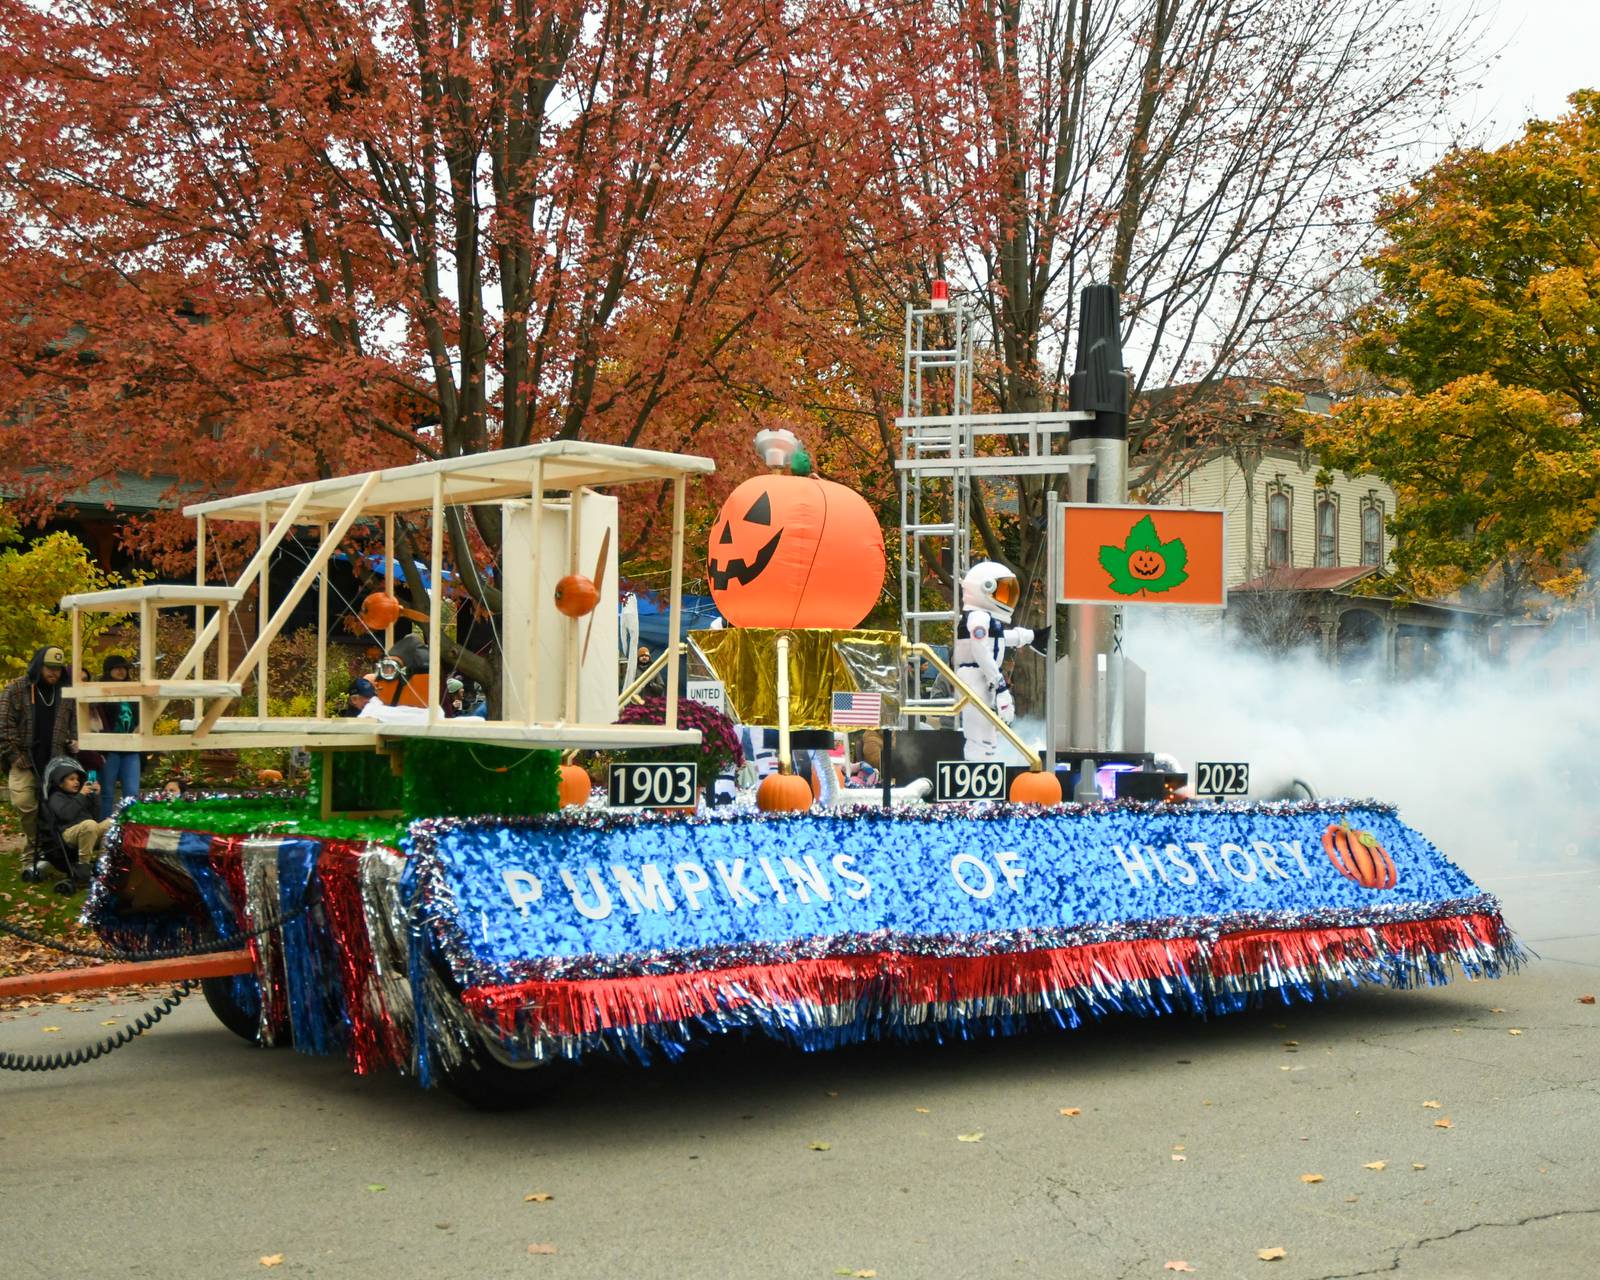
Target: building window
(1278, 529)
(1372, 534)
(1327, 532)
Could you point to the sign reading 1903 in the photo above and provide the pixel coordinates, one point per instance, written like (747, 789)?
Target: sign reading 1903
(653, 786)
(1217, 778)
(969, 780)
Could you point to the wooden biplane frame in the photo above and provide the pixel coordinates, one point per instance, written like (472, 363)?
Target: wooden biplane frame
(333, 506)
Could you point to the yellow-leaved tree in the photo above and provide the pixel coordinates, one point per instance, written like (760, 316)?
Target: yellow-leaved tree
(33, 578)
(1487, 332)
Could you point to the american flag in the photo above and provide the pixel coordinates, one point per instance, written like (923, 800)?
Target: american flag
(858, 708)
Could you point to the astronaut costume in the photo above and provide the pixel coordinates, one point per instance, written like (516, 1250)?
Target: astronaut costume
(989, 593)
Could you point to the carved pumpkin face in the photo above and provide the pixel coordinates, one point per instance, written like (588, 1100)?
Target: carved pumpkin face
(795, 551)
(1147, 564)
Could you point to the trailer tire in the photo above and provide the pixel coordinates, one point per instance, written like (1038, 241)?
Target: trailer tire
(485, 1083)
(230, 1013)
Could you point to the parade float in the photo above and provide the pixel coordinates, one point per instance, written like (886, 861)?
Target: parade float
(430, 903)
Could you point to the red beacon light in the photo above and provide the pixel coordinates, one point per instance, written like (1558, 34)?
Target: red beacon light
(941, 295)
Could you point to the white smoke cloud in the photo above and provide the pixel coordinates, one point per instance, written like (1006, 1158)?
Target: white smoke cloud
(1495, 763)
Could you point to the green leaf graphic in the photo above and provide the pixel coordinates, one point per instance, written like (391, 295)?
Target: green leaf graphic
(1145, 564)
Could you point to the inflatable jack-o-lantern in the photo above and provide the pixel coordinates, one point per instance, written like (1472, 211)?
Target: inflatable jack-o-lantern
(795, 551)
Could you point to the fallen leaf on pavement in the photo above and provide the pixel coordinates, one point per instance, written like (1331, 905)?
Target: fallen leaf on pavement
(969, 1137)
(108, 1022)
(1271, 1255)
(822, 1146)
(1178, 1265)
(865, 1273)
(1496, 1010)
(1377, 1165)
(1433, 1106)
(376, 1186)
(921, 1111)
(1415, 1165)
(537, 1197)
(1291, 1044)
(1310, 1177)
(1177, 1146)
(1515, 1031)
(50, 1028)
(1176, 1156)
(541, 1248)
(1443, 1123)
(1072, 1111)
(1585, 999)
(272, 1260)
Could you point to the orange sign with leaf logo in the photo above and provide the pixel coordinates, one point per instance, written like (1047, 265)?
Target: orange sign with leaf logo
(1142, 555)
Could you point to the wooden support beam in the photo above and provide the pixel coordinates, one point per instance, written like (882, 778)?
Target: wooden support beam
(322, 635)
(530, 693)
(199, 609)
(436, 602)
(675, 607)
(195, 658)
(263, 612)
(253, 658)
(388, 574)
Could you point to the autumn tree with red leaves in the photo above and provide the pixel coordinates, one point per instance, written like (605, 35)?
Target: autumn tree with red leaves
(252, 242)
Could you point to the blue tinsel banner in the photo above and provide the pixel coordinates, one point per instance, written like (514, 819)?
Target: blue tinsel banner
(502, 894)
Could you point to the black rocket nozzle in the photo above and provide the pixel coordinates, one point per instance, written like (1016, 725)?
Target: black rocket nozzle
(1099, 383)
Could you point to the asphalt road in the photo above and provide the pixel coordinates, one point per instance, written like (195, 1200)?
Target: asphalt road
(191, 1154)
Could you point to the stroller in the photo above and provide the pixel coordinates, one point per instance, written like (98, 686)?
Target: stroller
(53, 855)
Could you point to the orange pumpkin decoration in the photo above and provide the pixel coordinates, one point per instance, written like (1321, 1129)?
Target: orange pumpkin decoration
(1147, 564)
(1036, 787)
(268, 775)
(783, 793)
(576, 595)
(380, 610)
(575, 785)
(795, 551)
(1358, 856)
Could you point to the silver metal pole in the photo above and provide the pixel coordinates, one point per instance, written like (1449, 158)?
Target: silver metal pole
(1082, 626)
(1100, 386)
(1052, 592)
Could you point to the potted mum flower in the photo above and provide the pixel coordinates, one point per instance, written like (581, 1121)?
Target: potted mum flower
(719, 751)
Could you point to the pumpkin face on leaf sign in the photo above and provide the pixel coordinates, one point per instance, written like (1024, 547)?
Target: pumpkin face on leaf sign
(795, 551)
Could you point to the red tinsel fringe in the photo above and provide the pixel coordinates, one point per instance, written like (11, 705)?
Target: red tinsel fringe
(581, 1006)
(374, 1039)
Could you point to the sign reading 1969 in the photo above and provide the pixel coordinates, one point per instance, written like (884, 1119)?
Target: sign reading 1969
(652, 786)
(969, 780)
(1216, 778)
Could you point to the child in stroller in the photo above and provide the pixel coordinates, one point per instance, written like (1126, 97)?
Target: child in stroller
(70, 827)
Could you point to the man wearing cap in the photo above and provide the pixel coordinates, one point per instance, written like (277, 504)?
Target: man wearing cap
(362, 692)
(37, 723)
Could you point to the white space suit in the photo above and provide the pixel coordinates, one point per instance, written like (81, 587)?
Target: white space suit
(989, 593)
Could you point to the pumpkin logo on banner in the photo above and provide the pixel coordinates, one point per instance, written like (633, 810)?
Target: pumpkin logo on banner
(1358, 856)
(795, 551)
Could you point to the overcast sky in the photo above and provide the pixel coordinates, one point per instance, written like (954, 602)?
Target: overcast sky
(1546, 49)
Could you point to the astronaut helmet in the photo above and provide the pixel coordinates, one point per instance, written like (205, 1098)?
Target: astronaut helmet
(991, 587)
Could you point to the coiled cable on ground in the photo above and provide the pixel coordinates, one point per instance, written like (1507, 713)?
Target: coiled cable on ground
(88, 1053)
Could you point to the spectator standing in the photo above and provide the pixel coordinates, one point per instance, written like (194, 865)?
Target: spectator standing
(36, 725)
(117, 717)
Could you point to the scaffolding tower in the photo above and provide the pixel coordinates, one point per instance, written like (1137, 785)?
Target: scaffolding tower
(944, 445)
